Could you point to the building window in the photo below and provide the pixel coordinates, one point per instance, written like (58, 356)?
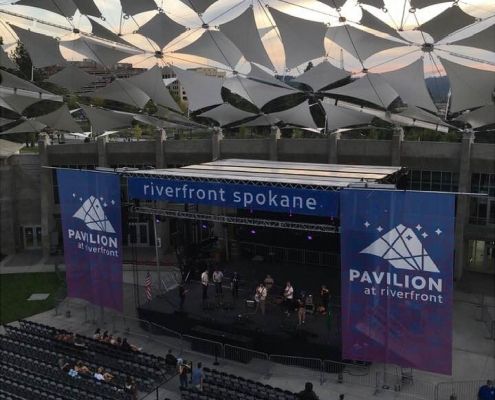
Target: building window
(31, 237)
(482, 209)
(437, 181)
(482, 256)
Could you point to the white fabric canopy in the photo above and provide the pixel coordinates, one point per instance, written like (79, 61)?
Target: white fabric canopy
(258, 74)
(452, 19)
(13, 81)
(99, 52)
(67, 8)
(480, 117)
(72, 78)
(43, 50)
(333, 3)
(202, 91)
(131, 7)
(409, 82)
(298, 115)
(470, 87)
(19, 103)
(322, 75)
(123, 91)
(257, 93)
(303, 40)
(6, 121)
(60, 119)
(161, 29)
(424, 3)
(421, 115)
(484, 39)
(5, 61)
(243, 32)
(104, 120)
(25, 127)
(374, 3)
(215, 46)
(88, 7)
(226, 114)
(100, 31)
(371, 88)
(359, 43)
(262, 120)
(338, 117)
(156, 122)
(370, 21)
(199, 6)
(151, 83)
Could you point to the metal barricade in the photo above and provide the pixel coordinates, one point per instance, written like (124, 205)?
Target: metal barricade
(205, 346)
(243, 355)
(458, 390)
(357, 374)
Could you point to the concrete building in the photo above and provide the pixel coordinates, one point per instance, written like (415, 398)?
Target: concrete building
(29, 210)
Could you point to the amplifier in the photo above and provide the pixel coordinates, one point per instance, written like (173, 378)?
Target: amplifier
(250, 304)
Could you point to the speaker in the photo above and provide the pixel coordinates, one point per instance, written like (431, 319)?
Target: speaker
(250, 304)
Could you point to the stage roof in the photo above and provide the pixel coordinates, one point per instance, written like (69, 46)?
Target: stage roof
(276, 173)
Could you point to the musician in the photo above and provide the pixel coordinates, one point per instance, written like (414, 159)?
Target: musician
(260, 298)
(234, 285)
(269, 282)
(204, 283)
(301, 308)
(288, 297)
(217, 280)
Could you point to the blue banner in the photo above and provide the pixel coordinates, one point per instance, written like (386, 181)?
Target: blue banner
(91, 224)
(397, 252)
(264, 198)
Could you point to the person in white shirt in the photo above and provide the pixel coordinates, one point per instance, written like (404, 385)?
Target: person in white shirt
(99, 375)
(204, 284)
(260, 298)
(217, 280)
(288, 298)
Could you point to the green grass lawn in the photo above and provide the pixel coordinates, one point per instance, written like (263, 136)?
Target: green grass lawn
(16, 288)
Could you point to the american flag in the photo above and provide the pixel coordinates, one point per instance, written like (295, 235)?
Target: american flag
(147, 286)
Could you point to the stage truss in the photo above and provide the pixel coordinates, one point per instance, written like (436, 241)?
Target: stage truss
(226, 219)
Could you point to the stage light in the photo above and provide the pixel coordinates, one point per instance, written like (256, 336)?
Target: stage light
(253, 232)
(204, 226)
(309, 237)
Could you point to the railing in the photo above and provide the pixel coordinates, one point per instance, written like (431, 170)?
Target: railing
(460, 390)
(289, 255)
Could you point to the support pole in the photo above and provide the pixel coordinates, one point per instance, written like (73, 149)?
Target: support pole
(158, 277)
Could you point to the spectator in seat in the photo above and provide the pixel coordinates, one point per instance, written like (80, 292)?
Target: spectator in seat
(71, 371)
(129, 347)
(99, 374)
(81, 368)
(197, 377)
(130, 388)
(307, 393)
(170, 359)
(104, 337)
(97, 334)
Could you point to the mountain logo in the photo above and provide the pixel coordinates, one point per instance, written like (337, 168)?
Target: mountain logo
(402, 248)
(93, 215)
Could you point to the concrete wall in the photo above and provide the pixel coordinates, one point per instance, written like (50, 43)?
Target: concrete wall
(303, 150)
(431, 156)
(245, 148)
(367, 152)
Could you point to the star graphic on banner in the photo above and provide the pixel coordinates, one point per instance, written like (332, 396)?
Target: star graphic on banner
(105, 204)
(438, 232)
(101, 198)
(424, 234)
(366, 224)
(379, 229)
(80, 198)
(113, 202)
(73, 195)
(419, 227)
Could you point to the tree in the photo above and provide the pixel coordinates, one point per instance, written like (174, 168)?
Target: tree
(21, 58)
(137, 132)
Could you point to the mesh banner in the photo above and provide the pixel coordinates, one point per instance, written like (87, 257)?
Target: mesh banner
(397, 252)
(92, 232)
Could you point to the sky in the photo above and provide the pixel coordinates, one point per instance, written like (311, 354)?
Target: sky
(225, 10)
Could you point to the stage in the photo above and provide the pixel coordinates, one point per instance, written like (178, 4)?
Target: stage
(230, 321)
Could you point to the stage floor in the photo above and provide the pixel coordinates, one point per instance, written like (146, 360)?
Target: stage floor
(229, 320)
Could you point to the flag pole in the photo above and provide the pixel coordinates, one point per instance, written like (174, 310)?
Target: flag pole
(156, 253)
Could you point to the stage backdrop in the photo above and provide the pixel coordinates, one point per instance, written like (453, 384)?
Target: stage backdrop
(91, 224)
(397, 264)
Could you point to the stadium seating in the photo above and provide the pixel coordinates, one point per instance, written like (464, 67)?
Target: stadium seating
(29, 366)
(222, 386)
